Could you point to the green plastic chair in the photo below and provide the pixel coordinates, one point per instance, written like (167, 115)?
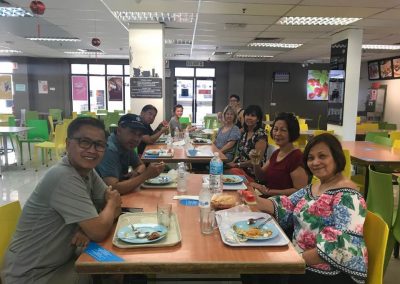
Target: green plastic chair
(119, 111)
(390, 126)
(111, 121)
(386, 141)
(31, 115)
(184, 121)
(56, 114)
(370, 136)
(382, 124)
(38, 133)
(380, 201)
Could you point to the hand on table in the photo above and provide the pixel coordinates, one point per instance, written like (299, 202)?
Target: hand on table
(80, 239)
(154, 169)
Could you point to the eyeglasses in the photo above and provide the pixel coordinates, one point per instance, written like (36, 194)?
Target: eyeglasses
(86, 143)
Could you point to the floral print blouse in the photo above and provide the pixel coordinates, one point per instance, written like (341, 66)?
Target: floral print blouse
(332, 223)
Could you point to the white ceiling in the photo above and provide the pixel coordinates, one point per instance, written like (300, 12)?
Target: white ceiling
(86, 19)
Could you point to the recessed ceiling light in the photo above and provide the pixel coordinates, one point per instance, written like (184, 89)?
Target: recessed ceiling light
(14, 12)
(53, 38)
(10, 51)
(252, 56)
(127, 16)
(274, 45)
(381, 46)
(316, 21)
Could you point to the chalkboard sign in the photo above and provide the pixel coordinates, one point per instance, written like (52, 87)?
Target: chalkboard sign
(146, 87)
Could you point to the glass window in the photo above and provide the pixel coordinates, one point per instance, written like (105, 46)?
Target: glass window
(126, 70)
(6, 67)
(114, 69)
(184, 72)
(97, 93)
(97, 69)
(205, 72)
(78, 68)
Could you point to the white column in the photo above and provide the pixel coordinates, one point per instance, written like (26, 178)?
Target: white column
(353, 64)
(146, 46)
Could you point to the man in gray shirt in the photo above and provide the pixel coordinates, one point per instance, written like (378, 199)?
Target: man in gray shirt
(70, 206)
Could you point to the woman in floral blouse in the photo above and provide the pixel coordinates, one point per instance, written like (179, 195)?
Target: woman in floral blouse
(253, 137)
(328, 218)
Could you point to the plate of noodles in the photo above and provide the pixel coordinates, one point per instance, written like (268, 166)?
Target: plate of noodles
(254, 231)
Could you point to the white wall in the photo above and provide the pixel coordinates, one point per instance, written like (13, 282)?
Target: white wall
(392, 105)
(146, 42)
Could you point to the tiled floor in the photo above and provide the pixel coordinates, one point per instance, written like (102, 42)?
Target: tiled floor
(17, 184)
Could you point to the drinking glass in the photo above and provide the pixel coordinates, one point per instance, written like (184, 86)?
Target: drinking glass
(255, 156)
(164, 214)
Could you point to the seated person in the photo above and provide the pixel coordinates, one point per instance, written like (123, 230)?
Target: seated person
(150, 136)
(253, 137)
(228, 134)
(174, 121)
(328, 218)
(284, 172)
(70, 206)
(121, 167)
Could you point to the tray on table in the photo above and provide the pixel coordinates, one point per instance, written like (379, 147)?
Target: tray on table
(173, 237)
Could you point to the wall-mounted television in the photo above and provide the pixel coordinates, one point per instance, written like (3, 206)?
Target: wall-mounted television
(337, 74)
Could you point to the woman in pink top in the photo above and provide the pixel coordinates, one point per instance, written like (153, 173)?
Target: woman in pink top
(284, 173)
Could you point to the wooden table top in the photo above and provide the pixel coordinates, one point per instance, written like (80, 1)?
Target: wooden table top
(180, 154)
(369, 153)
(197, 253)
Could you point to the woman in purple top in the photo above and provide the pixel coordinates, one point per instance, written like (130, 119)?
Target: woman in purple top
(228, 134)
(284, 173)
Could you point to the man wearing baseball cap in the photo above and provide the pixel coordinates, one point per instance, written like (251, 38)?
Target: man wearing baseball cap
(121, 166)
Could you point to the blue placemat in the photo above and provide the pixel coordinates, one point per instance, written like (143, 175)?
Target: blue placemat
(189, 202)
(101, 254)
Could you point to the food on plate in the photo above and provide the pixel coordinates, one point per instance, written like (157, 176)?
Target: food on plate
(254, 232)
(200, 140)
(226, 179)
(153, 236)
(223, 201)
(152, 152)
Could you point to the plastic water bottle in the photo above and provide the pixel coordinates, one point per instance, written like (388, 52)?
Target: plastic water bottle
(216, 171)
(181, 179)
(176, 134)
(205, 209)
(187, 137)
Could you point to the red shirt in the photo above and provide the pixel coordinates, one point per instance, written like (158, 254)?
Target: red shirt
(277, 175)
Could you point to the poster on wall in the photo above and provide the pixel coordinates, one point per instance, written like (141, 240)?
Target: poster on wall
(317, 85)
(6, 87)
(43, 87)
(79, 88)
(114, 88)
(373, 70)
(385, 67)
(396, 67)
(100, 99)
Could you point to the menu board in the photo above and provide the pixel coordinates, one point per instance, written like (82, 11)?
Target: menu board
(384, 69)
(146, 87)
(337, 79)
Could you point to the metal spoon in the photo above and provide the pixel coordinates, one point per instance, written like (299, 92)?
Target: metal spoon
(252, 221)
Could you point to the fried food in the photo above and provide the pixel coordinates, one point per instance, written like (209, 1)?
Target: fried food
(153, 236)
(254, 233)
(223, 201)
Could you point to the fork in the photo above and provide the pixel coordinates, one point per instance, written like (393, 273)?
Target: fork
(264, 222)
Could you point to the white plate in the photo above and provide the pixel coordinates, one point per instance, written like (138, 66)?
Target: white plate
(159, 180)
(152, 152)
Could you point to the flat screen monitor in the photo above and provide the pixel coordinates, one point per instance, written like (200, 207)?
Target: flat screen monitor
(336, 74)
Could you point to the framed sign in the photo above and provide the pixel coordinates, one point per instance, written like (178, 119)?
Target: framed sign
(146, 87)
(373, 70)
(386, 69)
(396, 67)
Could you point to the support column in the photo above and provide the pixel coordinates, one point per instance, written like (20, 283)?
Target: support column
(353, 63)
(146, 59)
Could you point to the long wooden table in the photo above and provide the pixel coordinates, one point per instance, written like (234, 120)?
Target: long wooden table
(180, 154)
(366, 153)
(197, 253)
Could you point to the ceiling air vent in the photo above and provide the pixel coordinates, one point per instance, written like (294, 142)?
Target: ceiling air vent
(234, 26)
(267, 39)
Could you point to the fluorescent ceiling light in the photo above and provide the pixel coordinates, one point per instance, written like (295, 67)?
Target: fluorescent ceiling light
(274, 45)
(381, 46)
(10, 51)
(127, 16)
(14, 12)
(53, 39)
(316, 21)
(83, 52)
(178, 41)
(252, 56)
